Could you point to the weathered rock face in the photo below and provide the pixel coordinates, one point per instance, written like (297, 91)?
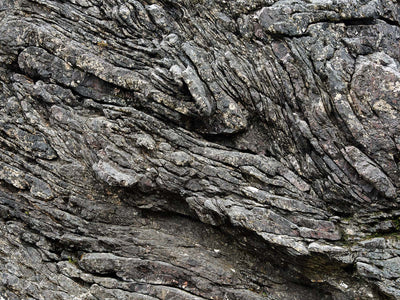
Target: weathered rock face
(202, 149)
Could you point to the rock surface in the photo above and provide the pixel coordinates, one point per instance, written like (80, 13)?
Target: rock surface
(199, 149)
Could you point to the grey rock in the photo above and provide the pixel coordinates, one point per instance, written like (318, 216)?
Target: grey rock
(39, 188)
(368, 270)
(376, 243)
(370, 172)
(199, 149)
(114, 175)
(198, 91)
(13, 176)
(145, 141)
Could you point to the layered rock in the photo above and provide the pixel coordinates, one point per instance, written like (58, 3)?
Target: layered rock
(199, 149)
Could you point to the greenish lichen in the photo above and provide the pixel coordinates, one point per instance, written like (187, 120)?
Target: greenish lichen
(72, 260)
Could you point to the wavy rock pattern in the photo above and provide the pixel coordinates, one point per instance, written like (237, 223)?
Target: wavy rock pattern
(203, 149)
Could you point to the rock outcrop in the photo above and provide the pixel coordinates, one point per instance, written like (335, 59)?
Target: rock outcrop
(204, 149)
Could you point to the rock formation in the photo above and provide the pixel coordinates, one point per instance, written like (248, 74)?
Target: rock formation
(199, 149)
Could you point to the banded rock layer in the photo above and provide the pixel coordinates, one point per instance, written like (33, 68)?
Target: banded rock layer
(204, 149)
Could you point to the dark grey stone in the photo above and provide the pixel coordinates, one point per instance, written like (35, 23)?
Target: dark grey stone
(204, 149)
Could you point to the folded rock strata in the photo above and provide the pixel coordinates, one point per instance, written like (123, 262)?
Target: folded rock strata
(202, 149)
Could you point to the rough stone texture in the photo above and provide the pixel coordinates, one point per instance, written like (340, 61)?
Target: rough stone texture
(203, 149)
